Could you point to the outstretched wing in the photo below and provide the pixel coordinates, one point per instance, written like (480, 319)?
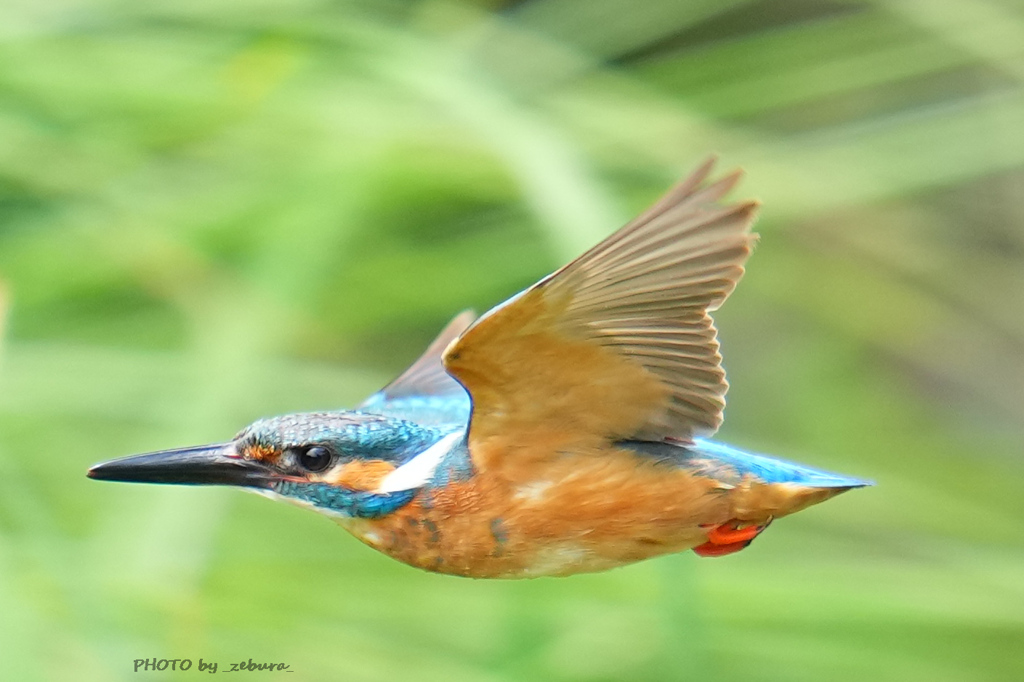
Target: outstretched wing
(618, 343)
(426, 393)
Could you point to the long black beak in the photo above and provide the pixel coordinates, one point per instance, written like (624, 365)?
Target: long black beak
(202, 465)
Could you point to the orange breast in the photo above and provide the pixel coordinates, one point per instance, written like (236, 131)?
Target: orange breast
(584, 509)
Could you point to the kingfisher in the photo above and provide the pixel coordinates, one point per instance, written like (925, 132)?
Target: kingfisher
(567, 430)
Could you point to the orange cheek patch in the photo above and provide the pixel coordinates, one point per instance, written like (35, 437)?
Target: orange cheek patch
(361, 475)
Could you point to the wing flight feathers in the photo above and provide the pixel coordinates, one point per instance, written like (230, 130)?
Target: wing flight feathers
(618, 343)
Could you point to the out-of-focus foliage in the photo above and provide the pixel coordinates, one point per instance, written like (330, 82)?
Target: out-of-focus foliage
(215, 211)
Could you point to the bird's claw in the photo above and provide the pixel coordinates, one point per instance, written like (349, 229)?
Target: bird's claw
(729, 537)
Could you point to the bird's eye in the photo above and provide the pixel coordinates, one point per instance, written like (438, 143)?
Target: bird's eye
(315, 458)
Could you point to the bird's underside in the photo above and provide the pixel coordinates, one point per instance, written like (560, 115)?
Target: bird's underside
(583, 510)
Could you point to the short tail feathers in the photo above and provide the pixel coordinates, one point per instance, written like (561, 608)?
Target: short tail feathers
(732, 467)
(772, 470)
(765, 488)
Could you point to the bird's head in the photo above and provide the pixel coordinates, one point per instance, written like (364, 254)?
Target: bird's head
(335, 462)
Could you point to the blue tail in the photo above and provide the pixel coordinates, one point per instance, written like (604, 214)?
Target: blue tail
(770, 469)
(731, 465)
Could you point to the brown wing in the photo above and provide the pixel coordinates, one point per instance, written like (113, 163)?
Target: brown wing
(618, 343)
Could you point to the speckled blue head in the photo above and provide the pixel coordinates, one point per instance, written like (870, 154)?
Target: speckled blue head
(348, 436)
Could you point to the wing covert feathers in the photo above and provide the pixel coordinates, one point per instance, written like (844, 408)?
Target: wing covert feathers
(618, 343)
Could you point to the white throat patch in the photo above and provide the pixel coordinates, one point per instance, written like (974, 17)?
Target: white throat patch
(417, 471)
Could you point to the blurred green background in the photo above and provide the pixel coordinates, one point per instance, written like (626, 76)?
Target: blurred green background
(216, 211)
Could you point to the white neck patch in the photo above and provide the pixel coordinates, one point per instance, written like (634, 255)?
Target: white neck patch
(417, 471)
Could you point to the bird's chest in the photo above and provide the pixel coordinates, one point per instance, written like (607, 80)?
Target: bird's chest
(566, 516)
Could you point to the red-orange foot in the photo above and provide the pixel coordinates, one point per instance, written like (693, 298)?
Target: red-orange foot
(728, 538)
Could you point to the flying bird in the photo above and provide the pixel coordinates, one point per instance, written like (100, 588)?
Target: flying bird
(565, 431)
